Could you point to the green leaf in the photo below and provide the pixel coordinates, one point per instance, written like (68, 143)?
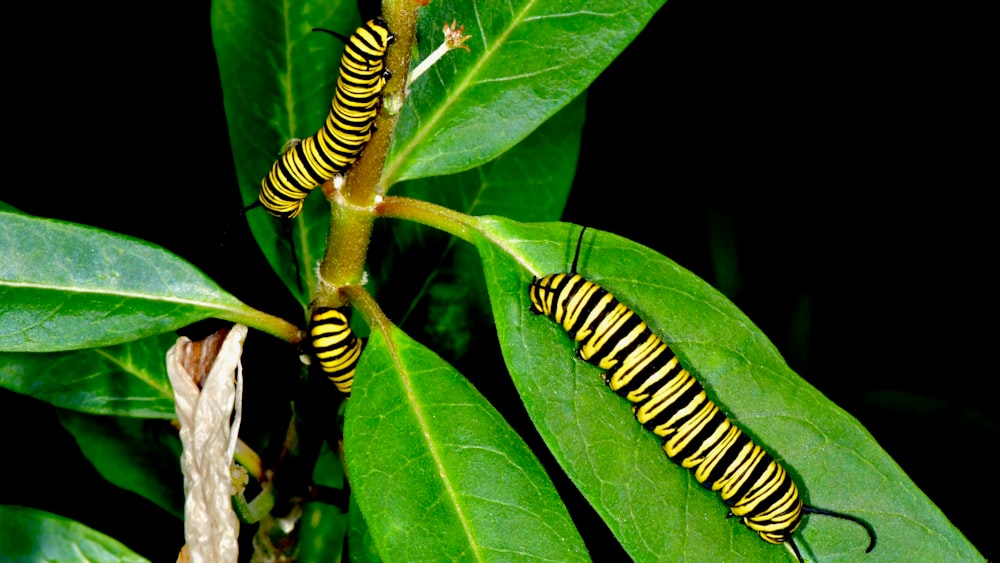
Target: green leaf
(437, 472)
(620, 467)
(278, 80)
(530, 182)
(526, 61)
(322, 536)
(65, 286)
(360, 539)
(324, 527)
(35, 535)
(142, 456)
(127, 380)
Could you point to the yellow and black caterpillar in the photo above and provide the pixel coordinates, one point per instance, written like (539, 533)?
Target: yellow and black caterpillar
(350, 124)
(335, 345)
(672, 404)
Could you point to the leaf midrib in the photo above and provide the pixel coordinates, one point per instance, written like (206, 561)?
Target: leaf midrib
(392, 168)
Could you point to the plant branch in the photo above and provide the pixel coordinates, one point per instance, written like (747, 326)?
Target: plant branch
(430, 214)
(372, 313)
(352, 204)
(264, 322)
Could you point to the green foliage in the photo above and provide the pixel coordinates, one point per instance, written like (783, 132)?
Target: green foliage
(815, 439)
(324, 526)
(527, 60)
(35, 535)
(138, 455)
(277, 82)
(129, 379)
(436, 472)
(66, 286)
(323, 532)
(530, 182)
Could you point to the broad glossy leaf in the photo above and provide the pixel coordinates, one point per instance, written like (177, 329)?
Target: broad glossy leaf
(437, 472)
(619, 466)
(526, 61)
(278, 79)
(36, 535)
(127, 380)
(142, 456)
(65, 286)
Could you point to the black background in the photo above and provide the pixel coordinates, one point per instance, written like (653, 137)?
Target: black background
(836, 148)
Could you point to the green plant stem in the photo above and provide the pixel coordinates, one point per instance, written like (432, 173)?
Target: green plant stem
(425, 213)
(372, 313)
(255, 510)
(248, 458)
(275, 326)
(363, 178)
(346, 249)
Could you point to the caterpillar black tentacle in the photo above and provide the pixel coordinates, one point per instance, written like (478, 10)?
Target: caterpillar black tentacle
(671, 403)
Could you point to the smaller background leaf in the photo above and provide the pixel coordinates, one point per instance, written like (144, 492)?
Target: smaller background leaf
(127, 380)
(35, 535)
(530, 182)
(278, 80)
(142, 456)
(324, 526)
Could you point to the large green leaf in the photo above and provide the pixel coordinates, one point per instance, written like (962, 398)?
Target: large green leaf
(437, 472)
(142, 456)
(65, 286)
(278, 79)
(127, 380)
(656, 509)
(527, 59)
(35, 535)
